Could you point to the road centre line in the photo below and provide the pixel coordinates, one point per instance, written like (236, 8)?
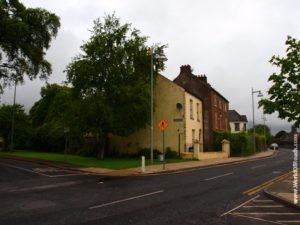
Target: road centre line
(43, 187)
(223, 175)
(126, 199)
(255, 167)
(239, 206)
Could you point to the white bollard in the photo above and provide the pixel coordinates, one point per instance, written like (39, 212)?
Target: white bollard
(143, 165)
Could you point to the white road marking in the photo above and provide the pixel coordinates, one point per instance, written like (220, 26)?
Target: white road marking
(39, 173)
(240, 205)
(266, 213)
(66, 175)
(263, 206)
(43, 187)
(259, 219)
(24, 169)
(126, 199)
(255, 167)
(223, 175)
(288, 221)
(262, 200)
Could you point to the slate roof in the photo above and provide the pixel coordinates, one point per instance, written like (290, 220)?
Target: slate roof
(234, 116)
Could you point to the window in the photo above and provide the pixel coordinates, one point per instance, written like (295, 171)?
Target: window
(193, 135)
(220, 104)
(245, 127)
(225, 107)
(191, 109)
(237, 126)
(198, 112)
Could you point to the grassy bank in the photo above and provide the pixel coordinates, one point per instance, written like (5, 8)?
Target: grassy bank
(108, 163)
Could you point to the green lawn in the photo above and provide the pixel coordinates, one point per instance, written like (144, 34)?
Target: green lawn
(108, 163)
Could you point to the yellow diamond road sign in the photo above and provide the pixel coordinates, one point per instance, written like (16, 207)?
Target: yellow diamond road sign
(163, 124)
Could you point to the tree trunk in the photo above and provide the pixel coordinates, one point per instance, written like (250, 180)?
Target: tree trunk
(102, 146)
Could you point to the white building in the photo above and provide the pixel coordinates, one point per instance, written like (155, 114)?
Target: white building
(237, 122)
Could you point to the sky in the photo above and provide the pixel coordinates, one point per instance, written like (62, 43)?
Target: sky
(230, 41)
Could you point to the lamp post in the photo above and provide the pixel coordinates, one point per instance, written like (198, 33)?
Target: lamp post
(160, 58)
(13, 120)
(264, 122)
(253, 135)
(152, 97)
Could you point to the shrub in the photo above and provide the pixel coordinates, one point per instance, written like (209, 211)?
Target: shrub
(240, 144)
(171, 154)
(147, 153)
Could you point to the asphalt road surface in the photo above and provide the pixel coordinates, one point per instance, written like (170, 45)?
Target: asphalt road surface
(31, 193)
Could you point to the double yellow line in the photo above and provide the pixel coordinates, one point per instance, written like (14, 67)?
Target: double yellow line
(260, 187)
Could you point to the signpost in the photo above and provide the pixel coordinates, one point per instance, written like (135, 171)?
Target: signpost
(163, 124)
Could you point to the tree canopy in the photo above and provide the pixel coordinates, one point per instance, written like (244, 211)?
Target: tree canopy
(22, 128)
(112, 77)
(284, 94)
(25, 34)
(50, 115)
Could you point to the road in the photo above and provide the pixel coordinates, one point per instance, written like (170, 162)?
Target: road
(32, 193)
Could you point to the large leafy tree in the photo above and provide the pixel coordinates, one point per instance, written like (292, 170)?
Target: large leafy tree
(25, 35)
(22, 128)
(50, 115)
(284, 94)
(112, 77)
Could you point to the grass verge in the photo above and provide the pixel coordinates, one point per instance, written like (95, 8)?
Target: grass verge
(108, 163)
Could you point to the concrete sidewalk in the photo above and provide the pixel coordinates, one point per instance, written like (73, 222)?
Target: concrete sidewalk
(284, 192)
(176, 167)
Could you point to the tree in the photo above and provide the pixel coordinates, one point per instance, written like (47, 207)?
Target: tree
(25, 34)
(285, 90)
(112, 77)
(50, 115)
(280, 134)
(22, 127)
(263, 130)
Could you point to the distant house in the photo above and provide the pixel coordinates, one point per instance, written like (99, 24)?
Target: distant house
(183, 113)
(215, 106)
(237, 122)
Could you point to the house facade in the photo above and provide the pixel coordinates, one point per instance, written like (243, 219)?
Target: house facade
(183, 113)
(237, 122)
(215, 106)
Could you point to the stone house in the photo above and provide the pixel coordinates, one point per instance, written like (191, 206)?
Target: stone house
(181, 110)
(215, 106)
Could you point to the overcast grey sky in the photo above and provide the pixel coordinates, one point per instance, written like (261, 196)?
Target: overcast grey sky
(230, 41)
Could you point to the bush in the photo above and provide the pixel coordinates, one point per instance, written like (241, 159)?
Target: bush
(171, 154)
(147, 153)
(240, 143)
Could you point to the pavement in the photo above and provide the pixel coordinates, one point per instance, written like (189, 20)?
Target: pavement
(176, 167)
(284, 192)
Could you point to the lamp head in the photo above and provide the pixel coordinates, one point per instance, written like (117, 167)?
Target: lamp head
(259, 94)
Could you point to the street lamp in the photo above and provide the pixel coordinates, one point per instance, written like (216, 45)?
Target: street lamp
(162, 58)
(258, 95)
(264, 122)
(13, 120)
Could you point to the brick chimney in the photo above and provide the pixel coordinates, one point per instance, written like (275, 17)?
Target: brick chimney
(186, 69)
(202, 77)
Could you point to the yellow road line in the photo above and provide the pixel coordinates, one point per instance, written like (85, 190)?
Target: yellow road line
(258, 188)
